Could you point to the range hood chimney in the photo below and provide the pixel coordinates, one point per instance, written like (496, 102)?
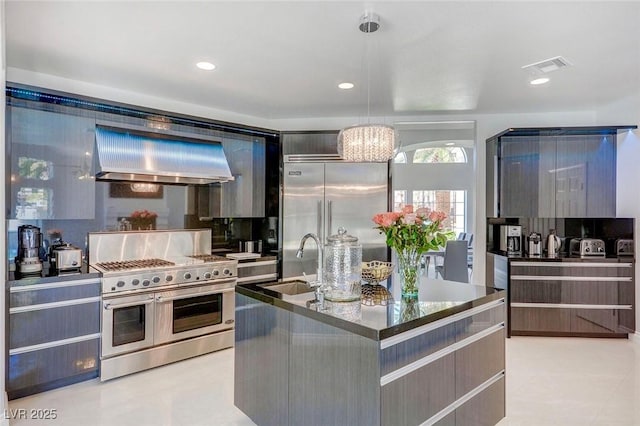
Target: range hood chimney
(126, 156)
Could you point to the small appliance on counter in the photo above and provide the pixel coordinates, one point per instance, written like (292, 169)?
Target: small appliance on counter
(535, 245)
(511, 239)
(624, 247)
(587, 247)
(28, 263)
(553, 244)
(64, 258)
(250, 246)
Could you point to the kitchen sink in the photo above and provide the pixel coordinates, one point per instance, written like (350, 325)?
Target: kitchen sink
(289, 287)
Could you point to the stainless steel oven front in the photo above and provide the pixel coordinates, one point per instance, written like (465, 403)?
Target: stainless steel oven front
(127, 323)
(194, 311)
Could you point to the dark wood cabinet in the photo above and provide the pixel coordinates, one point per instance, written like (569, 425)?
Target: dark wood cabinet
(553, 173)
(245, 195)
(572, 298)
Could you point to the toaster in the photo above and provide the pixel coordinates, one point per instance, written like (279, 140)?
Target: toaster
(66, 258)
(624, 247)
(587, 247)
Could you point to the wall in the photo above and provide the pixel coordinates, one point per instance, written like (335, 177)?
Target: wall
(627, 111)
(3, 231)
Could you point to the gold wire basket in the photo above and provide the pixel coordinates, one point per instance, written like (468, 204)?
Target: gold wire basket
(373, 272)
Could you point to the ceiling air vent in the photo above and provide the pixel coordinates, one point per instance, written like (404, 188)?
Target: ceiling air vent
(548, 65)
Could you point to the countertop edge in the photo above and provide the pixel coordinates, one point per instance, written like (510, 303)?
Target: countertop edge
(362, 330)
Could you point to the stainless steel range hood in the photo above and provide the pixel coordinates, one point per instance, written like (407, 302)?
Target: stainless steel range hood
(128, 156)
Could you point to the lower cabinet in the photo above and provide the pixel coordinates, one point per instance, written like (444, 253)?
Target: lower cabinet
(53, 334)
(263, 269)
(572, 298)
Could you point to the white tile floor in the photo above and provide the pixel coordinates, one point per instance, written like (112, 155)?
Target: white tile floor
(550, 381)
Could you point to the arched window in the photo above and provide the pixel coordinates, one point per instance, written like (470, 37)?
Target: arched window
(443, 154)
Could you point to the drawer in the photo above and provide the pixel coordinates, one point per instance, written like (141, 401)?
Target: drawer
(39, 370)
(532, 319)
(32, 326)
(38, 294)
(572, 269)
(258, 271)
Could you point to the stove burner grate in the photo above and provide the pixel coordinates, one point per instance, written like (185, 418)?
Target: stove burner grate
(124, 265)
(209, 257)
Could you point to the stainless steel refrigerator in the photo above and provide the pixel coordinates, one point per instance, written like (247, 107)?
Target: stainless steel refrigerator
(319, 197)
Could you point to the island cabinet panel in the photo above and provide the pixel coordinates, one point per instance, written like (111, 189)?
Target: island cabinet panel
(434, 383)
(572, 298)
(262, 361)
(479, 362)
(481, 410)
(330, 376)
(403, 353)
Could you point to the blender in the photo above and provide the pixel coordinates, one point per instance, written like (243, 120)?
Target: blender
(28, 261)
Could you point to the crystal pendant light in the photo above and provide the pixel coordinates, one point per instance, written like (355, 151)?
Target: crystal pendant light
(367, 142)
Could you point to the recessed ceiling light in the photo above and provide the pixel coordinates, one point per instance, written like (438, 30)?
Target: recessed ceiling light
(539, 80)
(207, 66)
(450, 143)
(345, 85)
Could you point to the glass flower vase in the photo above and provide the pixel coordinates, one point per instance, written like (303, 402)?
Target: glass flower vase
(409, 264)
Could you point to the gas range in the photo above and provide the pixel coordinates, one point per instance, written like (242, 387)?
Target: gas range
(136, 274)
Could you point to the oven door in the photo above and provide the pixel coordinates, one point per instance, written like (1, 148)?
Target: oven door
(194, 311)
(127, 324)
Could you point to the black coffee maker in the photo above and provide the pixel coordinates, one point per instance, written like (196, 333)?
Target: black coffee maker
(28, 263)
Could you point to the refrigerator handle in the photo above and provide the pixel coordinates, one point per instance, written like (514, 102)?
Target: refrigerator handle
(329, 217)
(319, 220)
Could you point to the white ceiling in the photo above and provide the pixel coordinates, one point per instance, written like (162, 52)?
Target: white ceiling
(284, 59)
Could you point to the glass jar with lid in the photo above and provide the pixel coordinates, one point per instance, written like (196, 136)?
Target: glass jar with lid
(342, 267)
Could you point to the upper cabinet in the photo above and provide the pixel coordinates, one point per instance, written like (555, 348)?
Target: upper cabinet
(245, 195)
(51, 158)
(561, 173)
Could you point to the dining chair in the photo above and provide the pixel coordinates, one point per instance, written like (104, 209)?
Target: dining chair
(455, 264)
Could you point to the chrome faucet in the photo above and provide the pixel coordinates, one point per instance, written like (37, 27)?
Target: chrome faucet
(300, 254)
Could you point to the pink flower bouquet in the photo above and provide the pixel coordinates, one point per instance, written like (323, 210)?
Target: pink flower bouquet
(419, 231)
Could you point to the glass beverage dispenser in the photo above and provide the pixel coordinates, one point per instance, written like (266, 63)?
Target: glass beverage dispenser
(342, 267)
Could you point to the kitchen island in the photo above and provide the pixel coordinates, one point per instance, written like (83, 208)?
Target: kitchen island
(437, 360)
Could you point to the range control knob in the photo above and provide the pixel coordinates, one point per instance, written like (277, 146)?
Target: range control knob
(187, 276)
(155, 279)
(216, 272)
(120, 283)
(226, 271)
(587, 249)
(169, 278)
(135, 281)
(146, 283)
(207, 275)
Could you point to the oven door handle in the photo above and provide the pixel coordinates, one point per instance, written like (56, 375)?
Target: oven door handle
(163, 299)
(109, 305)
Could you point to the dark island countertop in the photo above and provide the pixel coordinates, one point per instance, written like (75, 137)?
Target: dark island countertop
(438, 299)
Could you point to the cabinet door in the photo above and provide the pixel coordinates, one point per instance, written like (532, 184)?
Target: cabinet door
(519, 172)
(585, 176)
(245, 195)
(51, 165)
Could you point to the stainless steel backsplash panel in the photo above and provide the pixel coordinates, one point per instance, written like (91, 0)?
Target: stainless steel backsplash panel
(110, 246)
